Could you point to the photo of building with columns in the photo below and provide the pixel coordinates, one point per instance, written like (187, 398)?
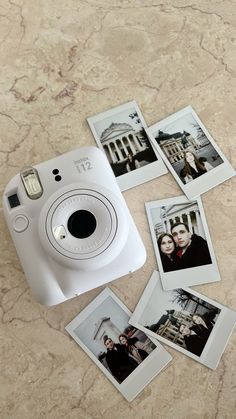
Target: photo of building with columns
(120, 140)
(187, 213)
(173, 145)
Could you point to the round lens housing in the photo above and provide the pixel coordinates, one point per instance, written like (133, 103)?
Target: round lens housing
(84, 228)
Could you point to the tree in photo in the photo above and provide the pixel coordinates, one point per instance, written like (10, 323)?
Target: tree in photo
(184, 298)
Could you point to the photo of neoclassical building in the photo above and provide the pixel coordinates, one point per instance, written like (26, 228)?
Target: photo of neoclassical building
(120, 140)
(121, 133)
(174, 144)
(187, 213)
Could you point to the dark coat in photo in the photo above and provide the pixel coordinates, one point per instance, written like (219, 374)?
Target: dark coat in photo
(139, 346)
(201, 330)
(208, 318)
(193, 173)
(170, 264)
(120, 363)
(196, 254)
(195, 344)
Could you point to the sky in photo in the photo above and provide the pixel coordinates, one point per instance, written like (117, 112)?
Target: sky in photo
(185, 123)
(157, 304)
(121, 117)
(108, 308)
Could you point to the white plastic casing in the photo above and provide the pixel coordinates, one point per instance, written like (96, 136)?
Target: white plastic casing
(58, 265)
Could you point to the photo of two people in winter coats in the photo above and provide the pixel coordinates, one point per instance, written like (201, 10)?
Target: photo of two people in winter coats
(180, 235)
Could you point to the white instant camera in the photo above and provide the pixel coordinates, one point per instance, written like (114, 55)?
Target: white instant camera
(71, 227)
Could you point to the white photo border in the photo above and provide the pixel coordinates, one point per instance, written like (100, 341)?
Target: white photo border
(189, 276)
(142, 174)
(144, 373)
(209, 180)
(218, 338)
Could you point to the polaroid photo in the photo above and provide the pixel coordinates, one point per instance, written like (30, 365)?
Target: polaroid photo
(182, 242)
(190, 153)
(128, 358)
(121, 133)
(185, 320)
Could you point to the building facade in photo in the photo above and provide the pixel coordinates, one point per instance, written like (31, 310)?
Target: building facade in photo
(173, 145)
(103, 327)
(119, 140)
(186, 213)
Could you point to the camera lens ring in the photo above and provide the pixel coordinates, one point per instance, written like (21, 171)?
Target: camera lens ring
(76, 248)
(103, 253)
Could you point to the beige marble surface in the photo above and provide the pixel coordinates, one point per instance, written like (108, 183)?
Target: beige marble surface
(62, 61)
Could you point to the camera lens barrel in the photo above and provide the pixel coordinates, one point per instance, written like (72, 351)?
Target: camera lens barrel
(82, 225)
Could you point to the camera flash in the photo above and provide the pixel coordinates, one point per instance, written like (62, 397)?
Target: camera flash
(31, 182)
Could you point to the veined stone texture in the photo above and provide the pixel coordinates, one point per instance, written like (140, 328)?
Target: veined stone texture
(61, 62)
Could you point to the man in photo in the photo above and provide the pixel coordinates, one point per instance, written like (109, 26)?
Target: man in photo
(192, 250)
(118, 360)
(194, 343)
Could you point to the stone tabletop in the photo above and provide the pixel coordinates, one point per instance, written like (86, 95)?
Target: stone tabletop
(61, 62)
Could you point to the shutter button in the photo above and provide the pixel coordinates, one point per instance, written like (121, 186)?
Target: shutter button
(20, 223)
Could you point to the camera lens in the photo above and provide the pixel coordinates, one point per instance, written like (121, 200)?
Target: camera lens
(82, 224)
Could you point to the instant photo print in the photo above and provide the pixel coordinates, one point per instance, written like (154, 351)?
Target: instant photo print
(187, 321)
(182, 242)
(190, 153)
(126, 355)
(121, 133)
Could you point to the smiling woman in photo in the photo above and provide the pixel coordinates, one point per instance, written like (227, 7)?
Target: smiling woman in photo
(167, 247)
(203, 324)
(200, 327)
(134, 347)
(194, 167)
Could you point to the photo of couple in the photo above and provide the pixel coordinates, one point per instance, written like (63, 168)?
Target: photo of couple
(123, 357)
(182, 249)
(180, 236)
(119, 347)
(185, 320)
(125, 354)
(190, 330)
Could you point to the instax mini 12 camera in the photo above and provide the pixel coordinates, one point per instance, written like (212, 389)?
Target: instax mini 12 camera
(71, 226)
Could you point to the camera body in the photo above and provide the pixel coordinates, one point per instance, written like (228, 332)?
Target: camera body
(71, 226)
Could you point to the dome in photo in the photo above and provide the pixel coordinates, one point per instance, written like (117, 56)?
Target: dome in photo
(116, 127)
